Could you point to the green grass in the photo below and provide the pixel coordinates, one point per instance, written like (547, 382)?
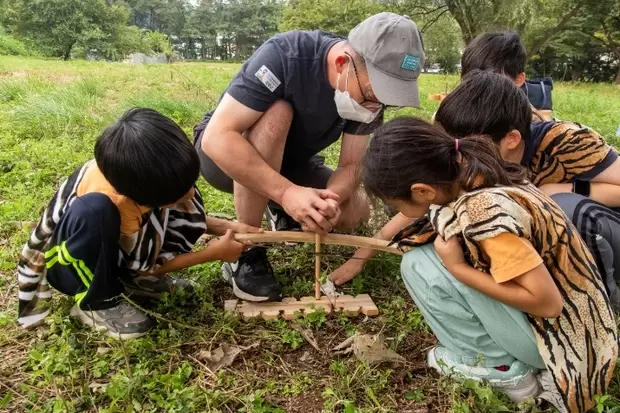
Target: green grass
(10, 45)
(50, 115)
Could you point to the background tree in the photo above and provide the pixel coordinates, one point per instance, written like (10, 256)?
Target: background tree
(587, 50)
(243, 25)
(443, 44)
(165, 16)
(57, 26)
(565, 39)
(337, 17)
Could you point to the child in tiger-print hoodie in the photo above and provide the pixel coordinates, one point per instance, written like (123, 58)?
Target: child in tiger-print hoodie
(508, 287)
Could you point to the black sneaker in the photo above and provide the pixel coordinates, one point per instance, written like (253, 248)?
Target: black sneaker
(279, 220)
(252, 277)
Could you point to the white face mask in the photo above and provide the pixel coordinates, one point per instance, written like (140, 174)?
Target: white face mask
(348, 108)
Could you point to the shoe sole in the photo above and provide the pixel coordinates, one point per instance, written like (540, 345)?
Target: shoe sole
(521, 387)
(89, 321)
(227, 276)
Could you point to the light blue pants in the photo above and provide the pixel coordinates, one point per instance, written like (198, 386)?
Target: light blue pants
(474, 327)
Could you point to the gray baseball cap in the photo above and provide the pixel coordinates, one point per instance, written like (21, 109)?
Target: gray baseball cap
(393, 50)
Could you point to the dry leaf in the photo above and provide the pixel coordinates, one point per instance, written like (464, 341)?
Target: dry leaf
(371, 349)
(223, 356)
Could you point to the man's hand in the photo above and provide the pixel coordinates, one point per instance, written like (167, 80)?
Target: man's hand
(332, 205)
(316, 210)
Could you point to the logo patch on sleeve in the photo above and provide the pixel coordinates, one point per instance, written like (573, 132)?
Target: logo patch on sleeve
(267, 78)
(410, 62)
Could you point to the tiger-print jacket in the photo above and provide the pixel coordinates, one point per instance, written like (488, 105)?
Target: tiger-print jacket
(580, 346)
(561, 152)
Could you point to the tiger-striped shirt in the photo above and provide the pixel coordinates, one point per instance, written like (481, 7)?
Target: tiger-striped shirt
(149, 237)
(561, 152)
(580, 346)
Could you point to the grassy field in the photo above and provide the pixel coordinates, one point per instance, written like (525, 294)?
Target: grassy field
(50, 115)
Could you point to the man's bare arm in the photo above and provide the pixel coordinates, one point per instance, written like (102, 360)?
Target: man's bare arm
(224, 143)
(345, 179)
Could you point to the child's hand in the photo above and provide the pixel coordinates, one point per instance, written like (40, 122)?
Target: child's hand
(225, 248)
(347, 271)
(450, 252)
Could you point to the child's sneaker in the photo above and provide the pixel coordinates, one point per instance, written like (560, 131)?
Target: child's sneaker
(123, 321)
(151, 286)
(518, 381)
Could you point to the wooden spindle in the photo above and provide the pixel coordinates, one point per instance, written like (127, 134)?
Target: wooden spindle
(317, 266)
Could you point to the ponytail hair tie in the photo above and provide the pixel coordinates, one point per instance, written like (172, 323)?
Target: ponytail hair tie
(456, 144)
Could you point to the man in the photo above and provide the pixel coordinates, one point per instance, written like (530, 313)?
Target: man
(294, 97)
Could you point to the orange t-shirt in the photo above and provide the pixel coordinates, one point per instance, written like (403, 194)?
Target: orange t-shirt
(131, 213)
(510, 256)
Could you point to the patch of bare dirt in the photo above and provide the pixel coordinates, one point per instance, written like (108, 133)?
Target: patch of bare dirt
(18, 74)
(306, 403)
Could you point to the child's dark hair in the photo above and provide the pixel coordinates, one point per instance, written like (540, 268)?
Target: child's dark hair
(148, 158)
(407, 150)
(485, 103)
(501, 52)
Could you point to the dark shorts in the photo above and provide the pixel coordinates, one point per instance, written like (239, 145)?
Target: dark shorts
(311, 171)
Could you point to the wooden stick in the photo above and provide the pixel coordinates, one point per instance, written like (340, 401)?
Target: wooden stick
(329, 239)
(317, 266)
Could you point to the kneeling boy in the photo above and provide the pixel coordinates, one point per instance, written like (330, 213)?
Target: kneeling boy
(118, 224)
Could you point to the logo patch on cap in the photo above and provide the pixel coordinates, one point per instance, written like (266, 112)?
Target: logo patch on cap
(410, 62)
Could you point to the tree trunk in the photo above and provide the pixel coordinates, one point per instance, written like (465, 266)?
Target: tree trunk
(615, 47)
(576, 74)
(464, 19)
(67, 53)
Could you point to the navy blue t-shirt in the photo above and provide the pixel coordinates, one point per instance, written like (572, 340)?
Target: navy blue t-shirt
(292, 66)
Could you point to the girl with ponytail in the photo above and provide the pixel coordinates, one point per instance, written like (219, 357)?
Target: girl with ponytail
(508, 286)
